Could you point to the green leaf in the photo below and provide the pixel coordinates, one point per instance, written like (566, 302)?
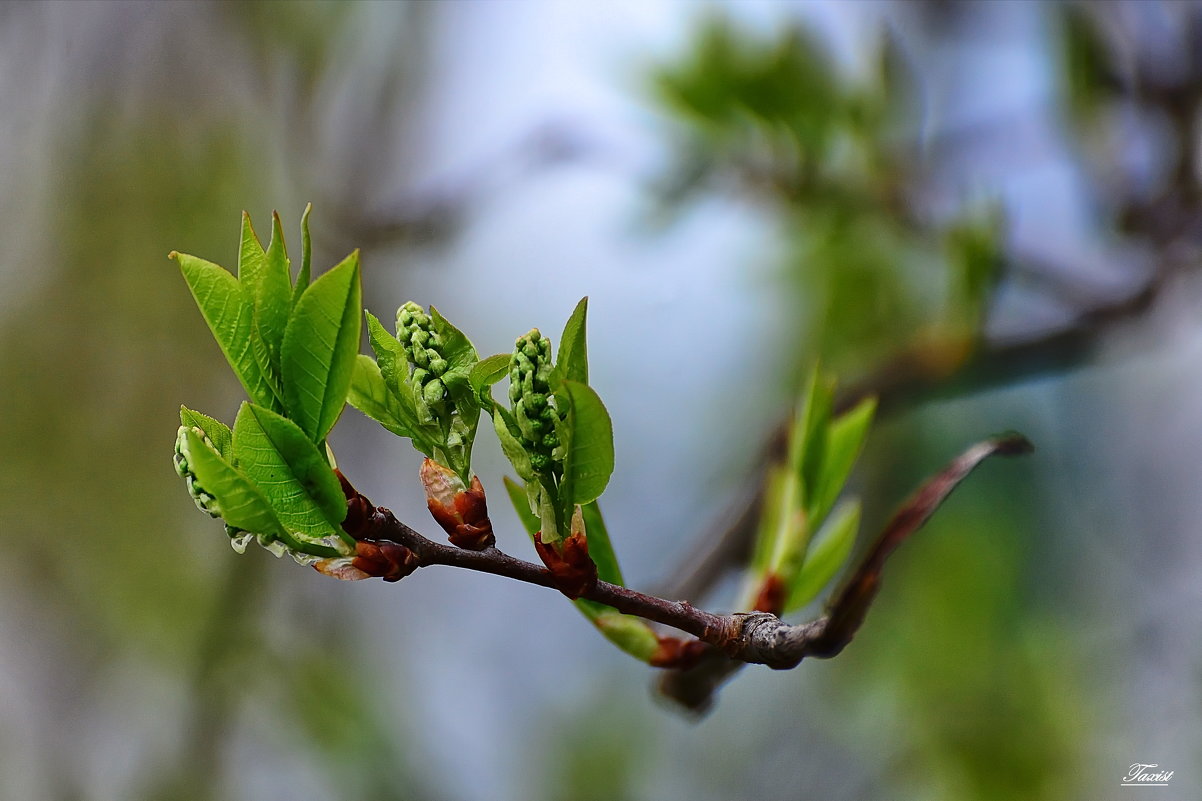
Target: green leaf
(306, 270)
(572, 358)
(456, 347)
(487, 372)
(393, 363)
(777, 488)
(510, 445)
(844, 440)
(829, 553)
(217, 432)
(252, 261)
(792, 529)
(308, 465)
(807, 439)
(320, 345)
(370, 395)
(242, 504)
(271, 373)
(229, 314)
(627, 632)
(599, 546)
(273, 298)
(297, 482)
(589, 460)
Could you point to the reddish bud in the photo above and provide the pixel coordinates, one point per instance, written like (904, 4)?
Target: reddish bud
(772, 595)
(570, 565)
(674, 652)
(386, 560)
(461, 511)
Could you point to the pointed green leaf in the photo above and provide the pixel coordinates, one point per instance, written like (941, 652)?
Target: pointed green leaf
(390, 356)
(589, 460)
(229, 314)
(844, 440)
(306, 270)
(807, 438)
(572, 358)
(269, 370)
(252, 260)
(308, 465)
(371, 395)
(270, 466)
(828, 554)
(320, 345)
(241, 503)
(273, 298)
(792, 534)
(217, 432)
(599, 546)
(773, 507)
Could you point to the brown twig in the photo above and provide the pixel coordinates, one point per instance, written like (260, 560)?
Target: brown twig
(765, 639)
(755, 637)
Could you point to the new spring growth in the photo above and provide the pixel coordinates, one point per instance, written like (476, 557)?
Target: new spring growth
(433, 384)
(439, 357)
(461, 511)
(534, 407)
(540, 418)
(423, 346)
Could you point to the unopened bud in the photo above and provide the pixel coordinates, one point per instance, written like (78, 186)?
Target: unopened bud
(433, 392)
(461, 511)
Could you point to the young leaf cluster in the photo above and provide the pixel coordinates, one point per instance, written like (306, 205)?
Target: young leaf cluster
(292, 345)
(790, 566)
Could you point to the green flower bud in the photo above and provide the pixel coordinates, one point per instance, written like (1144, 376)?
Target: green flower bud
(438, 366)
(434, 391)
(533, 407)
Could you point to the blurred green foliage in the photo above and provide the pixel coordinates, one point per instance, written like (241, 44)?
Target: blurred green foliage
(831, 159)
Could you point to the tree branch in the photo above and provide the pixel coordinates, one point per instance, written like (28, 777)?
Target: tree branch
(763, 638)
(755, 637)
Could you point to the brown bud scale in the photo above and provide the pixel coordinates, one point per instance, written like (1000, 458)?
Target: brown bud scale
(571, 567)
